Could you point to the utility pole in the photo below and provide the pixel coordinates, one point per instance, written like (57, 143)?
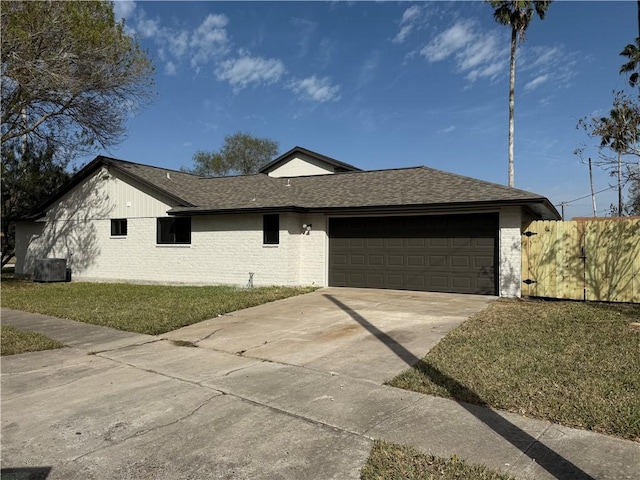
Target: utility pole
(562, 204)
(593, 195)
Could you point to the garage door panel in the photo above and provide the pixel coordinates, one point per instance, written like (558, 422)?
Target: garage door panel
(437, 242)
(375, 242)
(444, 253)
(458, 261)
(356, 259)
(415, 260)
(376, 260)
(395, 242)
(483, 262)
(395, 260)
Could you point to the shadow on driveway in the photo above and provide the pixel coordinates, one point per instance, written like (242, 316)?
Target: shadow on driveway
(553, 463)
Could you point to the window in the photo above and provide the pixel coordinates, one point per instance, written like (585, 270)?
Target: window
(271, 229)
(174, 230)
(119, 227)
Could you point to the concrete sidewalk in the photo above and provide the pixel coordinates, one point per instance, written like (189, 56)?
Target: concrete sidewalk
(144, 407)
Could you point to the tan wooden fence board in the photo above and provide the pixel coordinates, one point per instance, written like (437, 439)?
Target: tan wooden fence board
(592, 259)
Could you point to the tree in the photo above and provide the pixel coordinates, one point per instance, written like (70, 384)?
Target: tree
(633, 205)
(27, 180)
(618, 133)
(71, 75)
(241, 154)
(631, 67)
(516, 14)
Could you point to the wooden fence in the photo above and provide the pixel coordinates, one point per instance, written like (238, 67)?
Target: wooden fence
(582, 259)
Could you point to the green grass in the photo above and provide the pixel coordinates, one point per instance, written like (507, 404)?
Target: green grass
(388, 461)
(572, 363)
(150, 309)
(13, 341)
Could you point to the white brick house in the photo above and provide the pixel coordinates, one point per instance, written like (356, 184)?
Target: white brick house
(305, 219)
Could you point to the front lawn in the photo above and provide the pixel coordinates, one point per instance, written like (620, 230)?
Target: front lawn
(388, 461)
(572, 363)
(13, 341)
(150, 309)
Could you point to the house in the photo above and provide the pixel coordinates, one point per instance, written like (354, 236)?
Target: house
(304, 219)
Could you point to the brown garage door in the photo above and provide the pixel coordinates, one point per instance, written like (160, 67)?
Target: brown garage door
(436, 253)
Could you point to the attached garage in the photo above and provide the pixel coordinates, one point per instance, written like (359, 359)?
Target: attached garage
(436, 253)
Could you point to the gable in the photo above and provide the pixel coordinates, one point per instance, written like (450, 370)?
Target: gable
(300, 162)
(107, 193)
(302, 165)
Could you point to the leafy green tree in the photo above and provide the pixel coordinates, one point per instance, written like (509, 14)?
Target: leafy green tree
(618, 133)
(241, 154)
(27, 180)
(516, 14)
(71, 75)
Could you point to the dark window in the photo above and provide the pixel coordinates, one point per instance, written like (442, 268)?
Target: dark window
(174, 230)
(271, 228)
(119, 227)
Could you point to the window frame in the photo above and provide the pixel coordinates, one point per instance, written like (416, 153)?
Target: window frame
(116, 227)
(271, 229)
(172, 223)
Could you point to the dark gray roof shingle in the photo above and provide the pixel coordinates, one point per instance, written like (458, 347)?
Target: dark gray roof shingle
(395, 188)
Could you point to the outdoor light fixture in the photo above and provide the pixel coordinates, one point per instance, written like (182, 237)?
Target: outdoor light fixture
(306, 227)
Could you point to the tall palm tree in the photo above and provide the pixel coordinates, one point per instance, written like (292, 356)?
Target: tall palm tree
(632, 52)
(517, 14)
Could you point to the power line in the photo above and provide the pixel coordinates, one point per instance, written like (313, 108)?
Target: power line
(586, 196)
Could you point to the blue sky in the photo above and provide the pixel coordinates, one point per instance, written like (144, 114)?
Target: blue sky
(382, 85)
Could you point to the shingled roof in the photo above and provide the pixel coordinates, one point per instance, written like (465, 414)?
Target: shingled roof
(394, 190)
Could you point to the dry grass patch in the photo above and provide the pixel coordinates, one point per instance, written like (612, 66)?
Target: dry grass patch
(14, 341)
(572, 363)
(150, 309)
(388, 461)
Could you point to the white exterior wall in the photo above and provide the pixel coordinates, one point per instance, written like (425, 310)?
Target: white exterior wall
(510, 252)
(301, 166)
(223, 249)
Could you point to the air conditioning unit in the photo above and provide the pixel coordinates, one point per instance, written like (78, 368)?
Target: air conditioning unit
(50, 270)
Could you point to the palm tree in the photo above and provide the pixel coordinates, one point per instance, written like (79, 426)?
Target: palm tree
(632, 52)
(517, 14)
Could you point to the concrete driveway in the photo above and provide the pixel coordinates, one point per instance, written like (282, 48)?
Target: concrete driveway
(288, 390)
(282, 390)
(363, 333)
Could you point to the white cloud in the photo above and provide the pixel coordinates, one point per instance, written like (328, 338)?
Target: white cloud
(476, 54)
(536, 82)
(368, 68)
(209, 39)
(178, 43)
(148, 28)
(409, 19)
(449, 129)
(246, 70)
(410, 14)
(315, 89)
(448, 42)
(123, 9)
(555, 62)
(170, 68)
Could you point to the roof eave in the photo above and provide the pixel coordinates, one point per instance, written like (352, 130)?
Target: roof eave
(537, 207)
(189, 212)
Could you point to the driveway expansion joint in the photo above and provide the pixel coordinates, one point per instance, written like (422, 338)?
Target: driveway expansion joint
(524, 452)
(123, 347)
